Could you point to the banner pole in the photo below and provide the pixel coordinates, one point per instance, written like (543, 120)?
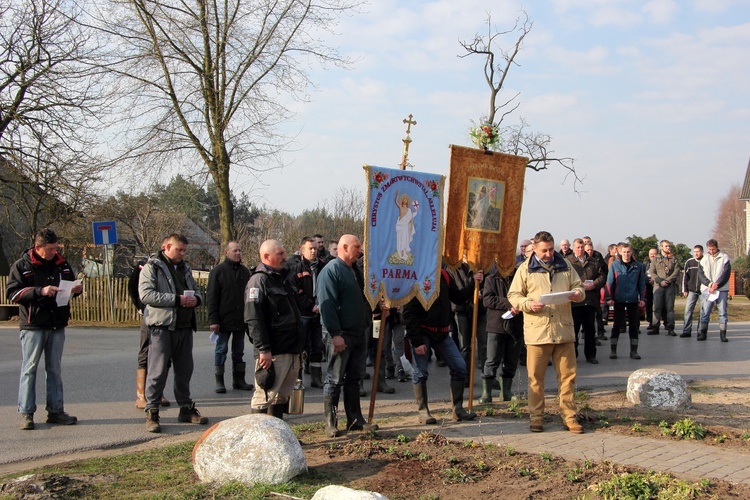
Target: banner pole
(474, 322)
(376, 374)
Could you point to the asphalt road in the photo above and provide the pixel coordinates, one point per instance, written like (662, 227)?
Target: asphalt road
(99, 377)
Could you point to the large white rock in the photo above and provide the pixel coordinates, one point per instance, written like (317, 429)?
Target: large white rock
(250, 449)
(655, 388)
(334, 492)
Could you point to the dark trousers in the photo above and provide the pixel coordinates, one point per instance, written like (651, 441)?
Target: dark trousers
(650, 303)
(502, 351)
(314, 338)
(346, 367)
(169, 346)
(222, 347)
(583, 318)
(623, 310)
(145, 339)
(664, 302)
(463, 324)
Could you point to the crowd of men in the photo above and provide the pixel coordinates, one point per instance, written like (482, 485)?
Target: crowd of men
(302, 310)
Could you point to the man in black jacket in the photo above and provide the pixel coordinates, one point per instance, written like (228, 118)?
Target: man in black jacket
(593, 274)
(691, 288)
(225, 301)
(303, 273)
(34, 282)
(428, 329)
(275, 326)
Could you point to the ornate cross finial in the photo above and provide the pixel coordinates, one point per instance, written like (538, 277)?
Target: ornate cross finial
(407, 140)
(409, 123)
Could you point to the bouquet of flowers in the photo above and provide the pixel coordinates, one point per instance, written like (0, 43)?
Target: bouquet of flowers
(485, 135)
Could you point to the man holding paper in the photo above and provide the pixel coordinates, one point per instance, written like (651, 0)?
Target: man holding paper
(548, 327)
(34, 282)
(714, 276)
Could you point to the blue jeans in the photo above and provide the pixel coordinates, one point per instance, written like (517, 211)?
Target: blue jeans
(692, 299)
(33, 344)
(721, 304)
(222, 347)
(446, 349)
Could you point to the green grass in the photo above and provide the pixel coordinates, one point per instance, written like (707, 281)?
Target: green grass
(134, 475)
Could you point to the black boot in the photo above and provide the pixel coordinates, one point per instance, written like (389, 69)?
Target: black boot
(220, 389)
(277, 411)
(330, 405)
(723, 335)
(507, 388)
(316, 376)
(613, 347)
(457, 399)
(702, 331)
(238, 378)
(486, 396)
(420, 394)
(382, 384)
(634, 349)
(258, 410)
(354, 419)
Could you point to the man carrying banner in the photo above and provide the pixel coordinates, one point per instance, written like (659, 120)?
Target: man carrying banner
(429, 330)
(548, 329)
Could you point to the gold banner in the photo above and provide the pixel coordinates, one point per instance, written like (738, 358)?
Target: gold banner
(484, 208)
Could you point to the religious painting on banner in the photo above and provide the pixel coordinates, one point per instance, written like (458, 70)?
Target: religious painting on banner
(403, 236)
(484, 208)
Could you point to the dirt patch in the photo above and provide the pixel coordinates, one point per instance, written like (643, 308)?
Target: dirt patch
(409, 464)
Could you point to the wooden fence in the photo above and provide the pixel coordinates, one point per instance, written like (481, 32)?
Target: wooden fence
(93, 306)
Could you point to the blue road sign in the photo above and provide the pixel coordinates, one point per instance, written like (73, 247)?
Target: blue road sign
(105, 232)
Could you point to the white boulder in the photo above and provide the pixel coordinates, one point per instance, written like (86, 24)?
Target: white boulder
(334, 492)
(656, 388)
(251, 449)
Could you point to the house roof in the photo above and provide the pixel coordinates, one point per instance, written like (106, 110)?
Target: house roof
(745, 194)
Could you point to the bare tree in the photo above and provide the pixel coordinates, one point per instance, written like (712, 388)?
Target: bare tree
(729, 229)
(50, 104)
(517, 139)
(208, 78)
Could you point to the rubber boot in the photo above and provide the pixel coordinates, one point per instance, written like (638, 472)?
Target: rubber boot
(507, 388)
(316, 376)
(382, 384)
(330, 405)
(140, 388)
(486, 396)
(420, 394)
(354, 419)
(238, 378)
(634, 349)
(723, 334)
(703, 331)
(613, 347)
(219, 373)
(277, 411)
(457, 399)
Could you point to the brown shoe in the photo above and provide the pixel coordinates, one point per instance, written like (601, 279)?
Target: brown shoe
(574, 427)
(190, 415)
(536, 426)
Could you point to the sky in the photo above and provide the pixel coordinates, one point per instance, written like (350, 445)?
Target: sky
(651, 98)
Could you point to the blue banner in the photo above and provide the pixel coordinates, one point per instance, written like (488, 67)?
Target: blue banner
(403, 236)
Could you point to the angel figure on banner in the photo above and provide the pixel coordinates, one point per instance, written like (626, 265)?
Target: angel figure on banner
(405, 226)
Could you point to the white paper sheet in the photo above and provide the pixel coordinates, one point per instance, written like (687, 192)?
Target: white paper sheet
(63, 294)
(551, 299)
(508, 315)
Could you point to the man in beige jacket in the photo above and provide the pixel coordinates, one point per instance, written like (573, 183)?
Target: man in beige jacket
(548, 328)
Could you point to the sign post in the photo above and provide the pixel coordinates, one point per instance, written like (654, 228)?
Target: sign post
(105, 234)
